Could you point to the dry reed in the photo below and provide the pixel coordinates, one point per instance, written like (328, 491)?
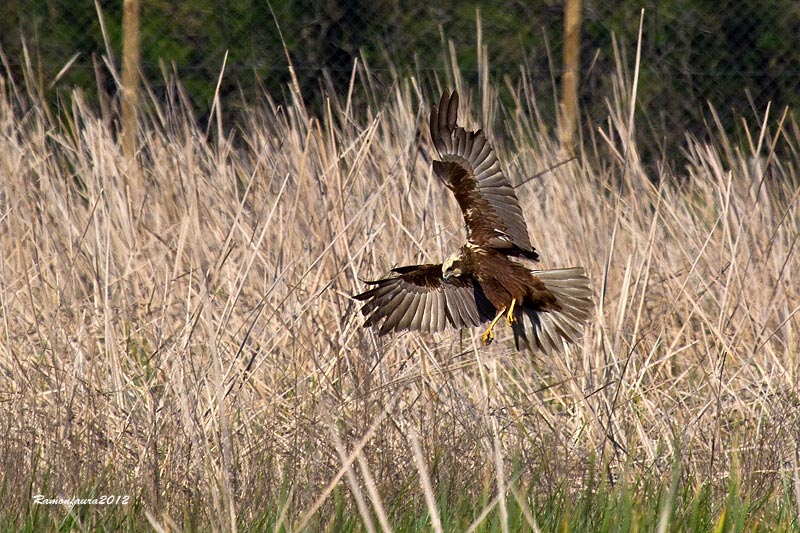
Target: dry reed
(195, 344)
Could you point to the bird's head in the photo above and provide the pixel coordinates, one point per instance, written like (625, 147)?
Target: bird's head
(452, 266)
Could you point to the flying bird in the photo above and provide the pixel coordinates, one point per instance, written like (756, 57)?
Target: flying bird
(487, 279)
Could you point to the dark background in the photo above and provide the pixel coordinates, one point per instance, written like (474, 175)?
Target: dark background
(736, 55)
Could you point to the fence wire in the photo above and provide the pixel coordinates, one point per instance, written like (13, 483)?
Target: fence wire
(737, 55)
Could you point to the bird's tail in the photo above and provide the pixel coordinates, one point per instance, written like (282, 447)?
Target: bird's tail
(549, 330)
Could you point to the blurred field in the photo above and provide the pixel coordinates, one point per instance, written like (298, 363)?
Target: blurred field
(179, 328)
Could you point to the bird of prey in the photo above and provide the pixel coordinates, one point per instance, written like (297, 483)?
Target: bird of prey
(489, 277)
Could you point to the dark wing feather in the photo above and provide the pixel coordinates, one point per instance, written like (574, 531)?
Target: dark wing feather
(471, 170)
(417, 297)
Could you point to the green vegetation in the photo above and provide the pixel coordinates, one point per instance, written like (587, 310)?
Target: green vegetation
(592, 504)
(737, 56)
(178, 328)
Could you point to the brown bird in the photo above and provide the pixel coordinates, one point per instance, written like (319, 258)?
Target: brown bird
(487, 278)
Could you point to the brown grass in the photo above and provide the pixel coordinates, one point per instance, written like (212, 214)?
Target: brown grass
(181, 330)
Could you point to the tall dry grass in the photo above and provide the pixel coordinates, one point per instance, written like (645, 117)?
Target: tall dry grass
(180, 329)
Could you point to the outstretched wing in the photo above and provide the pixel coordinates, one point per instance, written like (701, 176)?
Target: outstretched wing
(471, 170)
(418, 298)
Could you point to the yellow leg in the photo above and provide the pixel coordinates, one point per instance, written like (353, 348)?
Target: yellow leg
(488, 337)
(510, 318)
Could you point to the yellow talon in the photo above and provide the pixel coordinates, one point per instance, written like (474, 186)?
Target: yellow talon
(510, 318)
(488, 337)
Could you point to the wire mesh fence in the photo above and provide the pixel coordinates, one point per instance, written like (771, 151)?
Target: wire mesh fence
(736, 55)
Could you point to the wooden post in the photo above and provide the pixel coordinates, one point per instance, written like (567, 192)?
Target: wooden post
(569, 77)
(130, 76)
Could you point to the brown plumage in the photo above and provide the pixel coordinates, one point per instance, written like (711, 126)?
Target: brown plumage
(486, 279)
